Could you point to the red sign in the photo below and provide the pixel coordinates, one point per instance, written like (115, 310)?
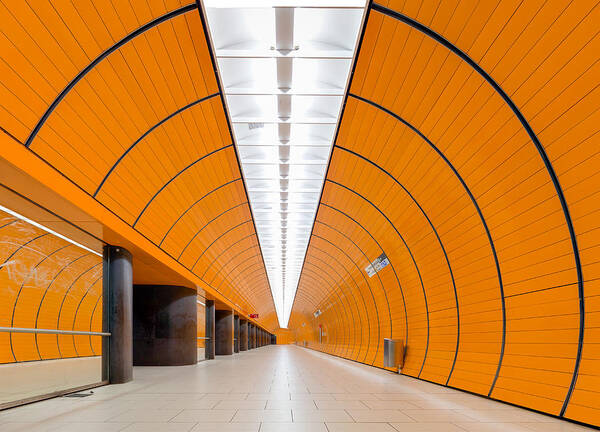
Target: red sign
(253, 316)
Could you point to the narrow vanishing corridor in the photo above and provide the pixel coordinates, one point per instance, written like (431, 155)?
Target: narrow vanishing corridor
(275, 388)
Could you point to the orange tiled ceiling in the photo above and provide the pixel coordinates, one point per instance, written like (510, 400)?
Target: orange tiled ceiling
(468, 154)
(122, 99)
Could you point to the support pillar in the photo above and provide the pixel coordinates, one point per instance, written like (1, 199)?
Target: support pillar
(117, 291)
(164, 325)
(243, 335)
(236, 334)
(250, 336)
(224, 332)
(209, 346)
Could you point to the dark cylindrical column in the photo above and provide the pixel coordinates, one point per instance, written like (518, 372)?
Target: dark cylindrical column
(243, 335)
(209, 333)
(236, 334)
(250, 336)
(164, 325)
(224, 332)
(117, 291)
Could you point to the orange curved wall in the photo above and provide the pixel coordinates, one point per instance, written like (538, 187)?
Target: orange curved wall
(122, 99)
(468, 154)
(47, 283)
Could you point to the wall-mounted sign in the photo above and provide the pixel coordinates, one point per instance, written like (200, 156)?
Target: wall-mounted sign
(253, 316)
(378, 263)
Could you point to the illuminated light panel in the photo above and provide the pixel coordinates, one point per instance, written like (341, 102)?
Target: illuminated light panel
(284, 66)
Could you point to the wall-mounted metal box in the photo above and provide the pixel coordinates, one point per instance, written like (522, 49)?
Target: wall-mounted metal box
(393, 353)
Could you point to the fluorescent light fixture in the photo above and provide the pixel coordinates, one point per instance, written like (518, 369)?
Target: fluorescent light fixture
(42, 227)
(285, 68)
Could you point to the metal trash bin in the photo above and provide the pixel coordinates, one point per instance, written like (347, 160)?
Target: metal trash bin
(393, 353)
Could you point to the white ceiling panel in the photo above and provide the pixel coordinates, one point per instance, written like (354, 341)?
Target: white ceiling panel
(284, 66)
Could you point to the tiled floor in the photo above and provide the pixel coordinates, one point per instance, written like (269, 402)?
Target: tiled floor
(272, 389)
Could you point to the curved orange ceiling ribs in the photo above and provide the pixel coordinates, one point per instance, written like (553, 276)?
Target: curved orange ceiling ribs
(123, 100)
(465, 151)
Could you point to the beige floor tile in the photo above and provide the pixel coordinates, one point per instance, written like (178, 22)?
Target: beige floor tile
(360, 427)
(379, 416)
(355, 396)
(321, 416)
(243, 404)
(204, 416)
(399, 396)
(295, 390)
(269, 396)
(394, 405)
(494, 427)
(157, 427)
(291, 404)
(263, 416)
(556, 426)
(226, 427)
(343, 404)
(441, 415)
(140, 415)
(88, 427)
(428, 427)
(310, 396)
(192, 404)
(293, 427)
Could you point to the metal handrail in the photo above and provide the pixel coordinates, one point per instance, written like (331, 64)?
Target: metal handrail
(50, 331)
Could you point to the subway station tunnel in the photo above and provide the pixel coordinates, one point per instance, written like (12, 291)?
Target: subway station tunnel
(241, 196)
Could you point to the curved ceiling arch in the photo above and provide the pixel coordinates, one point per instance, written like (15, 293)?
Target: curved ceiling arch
(98, 59)
(542, 153)
(365, 256)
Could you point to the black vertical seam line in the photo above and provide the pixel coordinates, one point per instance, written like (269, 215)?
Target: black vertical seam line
(222, 252)
(383, 250)
(3, 266)
(365, 303)
(145, 134)
(25, 279)
(215, 240)
(63, 302)
(548, 164)
(378, 276)
(244, 297)
(236, 266)
(337, 313)
(197, 233)
(98, 59)
(77, 310)
(411, 256)
(479, 212)
(337, 130)
(343, 307)
(251, 273)
(10, 223)
(100, 297)
(235, 149)
(175, 176)
(37, 315)
(106, 208)
(345, 295)
(334, 290)
(198, 201)
(226, 264)
(365, 159)
(351, 292)
(21, 247)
